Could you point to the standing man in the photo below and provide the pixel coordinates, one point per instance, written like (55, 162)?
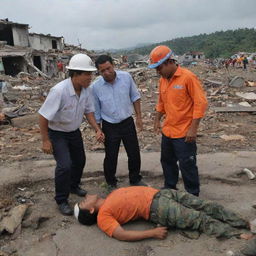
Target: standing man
(115, 96)
(183, 103)
(60, 118)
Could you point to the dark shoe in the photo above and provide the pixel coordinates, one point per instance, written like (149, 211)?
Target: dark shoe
(65, 209)
(78, 191)
(168, 188)
(111, 188)
(140, 183)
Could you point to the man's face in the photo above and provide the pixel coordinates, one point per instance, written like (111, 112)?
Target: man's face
(89, 202)
(166, 69)
(107, 71)
(84, 79)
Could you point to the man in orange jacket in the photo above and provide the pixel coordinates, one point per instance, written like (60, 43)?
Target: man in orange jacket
(183, 103)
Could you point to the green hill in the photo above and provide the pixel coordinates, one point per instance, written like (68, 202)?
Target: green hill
(218, 44)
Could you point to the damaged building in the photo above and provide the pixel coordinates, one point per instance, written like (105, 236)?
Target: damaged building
(14, 34)
(14, 38)
(194, 55)
(21, 51)
(42, 44)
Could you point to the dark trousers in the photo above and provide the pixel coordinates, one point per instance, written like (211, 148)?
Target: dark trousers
(114, 134)
(68, 151)
(177, 150)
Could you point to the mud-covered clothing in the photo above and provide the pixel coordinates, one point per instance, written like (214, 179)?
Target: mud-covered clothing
(124, 205)
(181, 210)
(169, 208)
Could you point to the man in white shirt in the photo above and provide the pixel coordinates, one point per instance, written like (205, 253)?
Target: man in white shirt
(60, 118)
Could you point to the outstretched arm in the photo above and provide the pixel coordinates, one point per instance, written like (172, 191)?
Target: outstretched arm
(131, 235)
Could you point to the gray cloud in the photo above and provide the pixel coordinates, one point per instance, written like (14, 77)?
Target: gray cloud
(121, 23)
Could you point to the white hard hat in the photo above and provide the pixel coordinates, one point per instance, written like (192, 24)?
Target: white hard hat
(81, 62)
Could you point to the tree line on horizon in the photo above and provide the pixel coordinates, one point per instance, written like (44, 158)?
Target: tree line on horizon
(218, 44)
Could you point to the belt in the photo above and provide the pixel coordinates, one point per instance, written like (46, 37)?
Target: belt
(153, 216)
(123, 121)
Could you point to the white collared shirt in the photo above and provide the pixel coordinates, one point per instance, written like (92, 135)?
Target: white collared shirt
(64, 109)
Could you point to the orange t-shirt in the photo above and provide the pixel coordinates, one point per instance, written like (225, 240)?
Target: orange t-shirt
(181, 99)
(124, 205)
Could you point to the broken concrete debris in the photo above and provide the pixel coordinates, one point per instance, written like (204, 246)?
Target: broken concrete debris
(11, 222)
(247, 95)
(245, 104)
(249, 173)
(237, 82)
(253, 226)
(232, 137)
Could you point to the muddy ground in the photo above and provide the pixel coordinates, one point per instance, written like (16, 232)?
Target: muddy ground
(21, 142)
(237, 196)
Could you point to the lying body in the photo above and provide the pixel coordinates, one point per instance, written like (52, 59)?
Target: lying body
(168, 208)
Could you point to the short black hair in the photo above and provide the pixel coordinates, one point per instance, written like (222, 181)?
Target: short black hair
(86, 218)
(103, 59)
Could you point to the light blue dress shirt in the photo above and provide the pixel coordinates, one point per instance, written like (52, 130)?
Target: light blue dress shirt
(114, 102)
(64, 109)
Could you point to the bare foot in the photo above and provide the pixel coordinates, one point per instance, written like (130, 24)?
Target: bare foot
(246, 236)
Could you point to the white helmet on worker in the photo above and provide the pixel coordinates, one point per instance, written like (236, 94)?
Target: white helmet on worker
(81, 62)
(159, 55)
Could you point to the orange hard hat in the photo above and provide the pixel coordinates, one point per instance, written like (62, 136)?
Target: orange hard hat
(159, 55)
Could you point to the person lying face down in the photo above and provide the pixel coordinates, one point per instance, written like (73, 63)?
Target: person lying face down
(168, 208)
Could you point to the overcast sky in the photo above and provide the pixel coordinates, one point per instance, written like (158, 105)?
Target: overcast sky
(104, 24)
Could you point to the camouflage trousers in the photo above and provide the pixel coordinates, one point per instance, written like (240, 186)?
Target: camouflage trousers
(181, 210)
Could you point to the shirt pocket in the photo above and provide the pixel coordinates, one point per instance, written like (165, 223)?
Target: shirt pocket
(177, 96)
(67, 114)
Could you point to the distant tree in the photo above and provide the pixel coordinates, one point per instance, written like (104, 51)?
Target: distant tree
(217, 44)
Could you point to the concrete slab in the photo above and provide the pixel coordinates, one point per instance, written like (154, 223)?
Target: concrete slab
(44, 248)
(217, 165)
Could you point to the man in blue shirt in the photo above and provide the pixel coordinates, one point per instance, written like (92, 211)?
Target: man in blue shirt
(60, 118)
(116, 95)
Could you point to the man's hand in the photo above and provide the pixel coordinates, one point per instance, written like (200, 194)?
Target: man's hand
(191, 135)
(47, 147)
(246, 236)
(100, 136)
(157, 127)
(192, 131)
(157, 122)
(160, 232)
(139, 124)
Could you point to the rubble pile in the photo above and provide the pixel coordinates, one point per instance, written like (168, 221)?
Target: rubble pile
(230, 117)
